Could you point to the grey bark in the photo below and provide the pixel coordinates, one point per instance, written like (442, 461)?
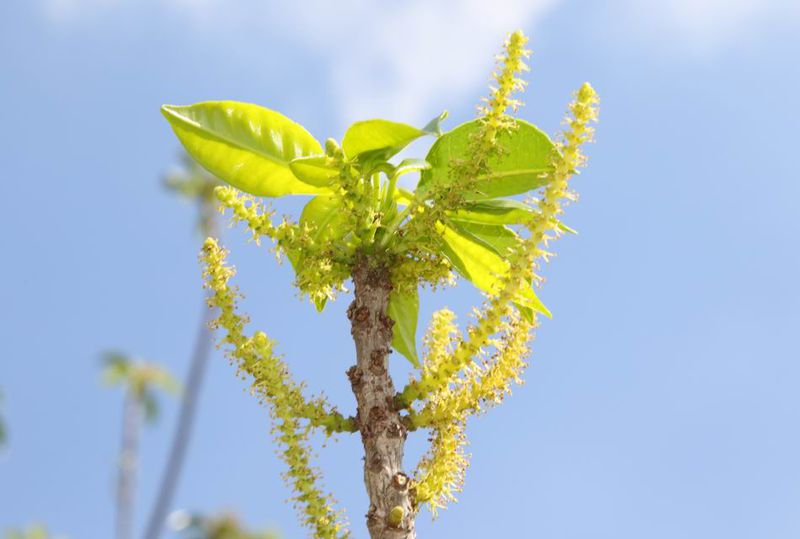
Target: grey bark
(382, 430)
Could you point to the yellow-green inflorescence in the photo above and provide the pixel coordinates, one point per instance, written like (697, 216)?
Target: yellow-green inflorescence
(293, 416)
(484, 145)
(461, 375)
(320, 272)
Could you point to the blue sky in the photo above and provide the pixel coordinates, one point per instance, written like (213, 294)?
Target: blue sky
(661, 400)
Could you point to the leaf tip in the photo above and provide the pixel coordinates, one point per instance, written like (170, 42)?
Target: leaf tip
(169, 112)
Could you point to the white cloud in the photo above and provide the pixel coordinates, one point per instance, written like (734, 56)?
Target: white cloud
(407, 59)
(402, 59)
(705, 26)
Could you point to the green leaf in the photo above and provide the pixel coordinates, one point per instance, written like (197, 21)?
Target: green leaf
(501, 240)
(523, 166)
(479, 263)
(434, 127)
(410, 165)
(378, 139)
(473, 259)
(404, 310)
(325, 214)
(314, 170)
(497, 211)
(403, 196)
(498, 238)
(500, 211)
(248, 146)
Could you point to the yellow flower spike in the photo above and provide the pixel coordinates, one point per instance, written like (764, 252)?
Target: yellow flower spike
(483, 384)
(255, 357)
(246, 209)
(565, 162)
(438, 341)
(318, 276)
(478, 335)
(483, 144)
(440, 473)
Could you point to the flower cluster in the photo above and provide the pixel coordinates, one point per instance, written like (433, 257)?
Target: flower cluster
(357, 217)
(255, 358)
(440, 473)
(459, 376)
(484, 145)
(320, 273)
(566, 162)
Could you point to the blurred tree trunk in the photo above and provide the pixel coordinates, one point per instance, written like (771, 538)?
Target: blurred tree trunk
(126, 485)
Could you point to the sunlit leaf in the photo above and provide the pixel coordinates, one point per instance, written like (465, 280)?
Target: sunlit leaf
(434, 127)
(403, 196)
(407, 166)
(314, 170)
(246, 145)
(404, 310)
(481, 265)
(473, 260)
(523, 166)
(499, 211)
(372, 140)
(498, 238)
(324, 214)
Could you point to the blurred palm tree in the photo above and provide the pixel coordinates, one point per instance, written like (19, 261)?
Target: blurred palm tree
(141, 381)
(194, 184)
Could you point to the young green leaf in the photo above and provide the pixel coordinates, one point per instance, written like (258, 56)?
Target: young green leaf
(496, 211)
(324, 214)
(404, 310)
(411, 165)
(499, 211)
(479, 263)
(523, 166)
(314, 170)
(378, 140)
(403, 196)
(248, 146)
(434, 127)
(472, 258)
(498, 238)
